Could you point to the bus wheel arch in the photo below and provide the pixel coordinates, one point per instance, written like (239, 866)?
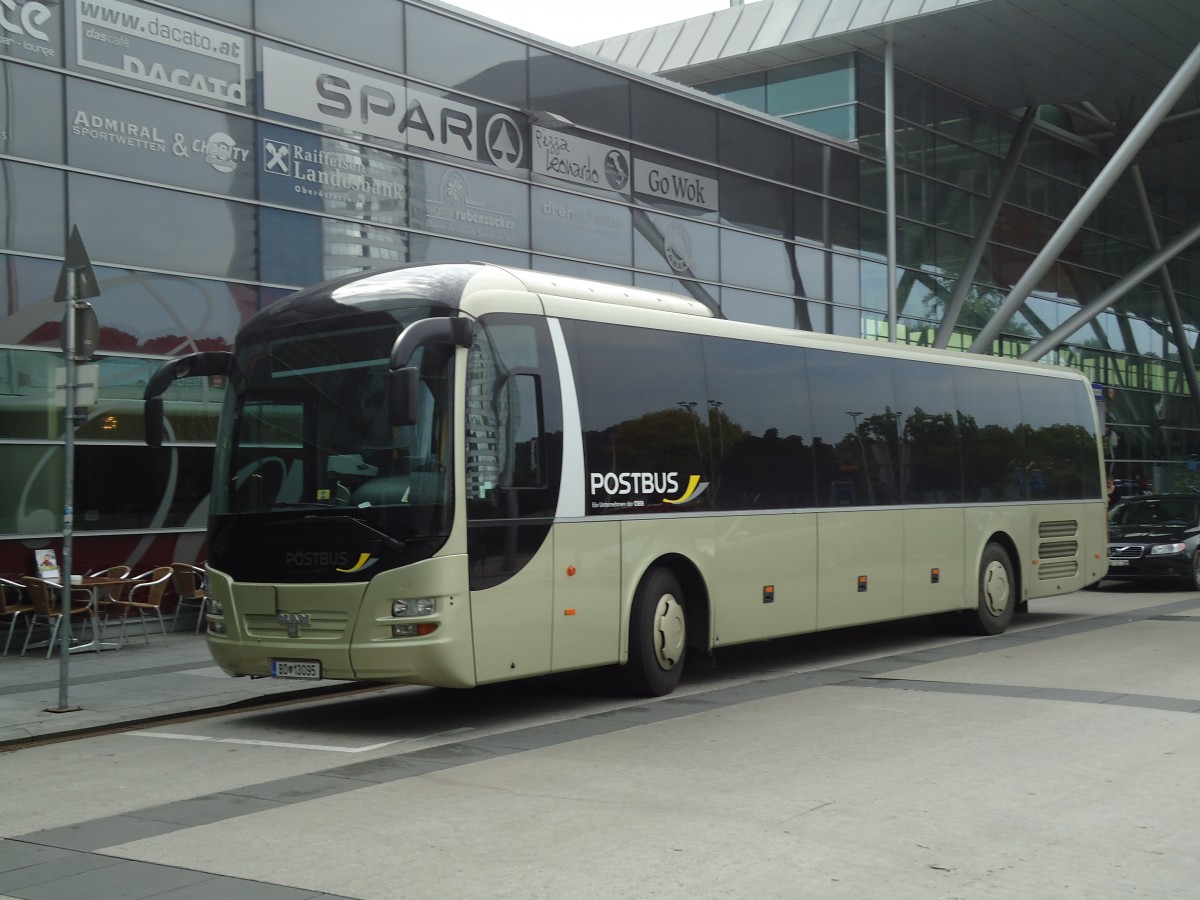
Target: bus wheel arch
(998, 587)
(669, 617)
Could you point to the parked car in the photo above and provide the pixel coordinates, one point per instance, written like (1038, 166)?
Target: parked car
(1155, 536)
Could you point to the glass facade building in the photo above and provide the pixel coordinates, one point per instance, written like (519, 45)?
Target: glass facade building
(216, 155)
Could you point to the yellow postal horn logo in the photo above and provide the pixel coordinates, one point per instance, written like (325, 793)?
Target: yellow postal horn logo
(695, 487)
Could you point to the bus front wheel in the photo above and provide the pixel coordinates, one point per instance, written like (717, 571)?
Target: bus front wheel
(997, 592)
(657, 635)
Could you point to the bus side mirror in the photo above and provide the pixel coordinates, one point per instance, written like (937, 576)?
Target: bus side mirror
(208, 362)
(402, 396)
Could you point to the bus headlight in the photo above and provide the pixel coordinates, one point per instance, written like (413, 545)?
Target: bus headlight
(418, 606)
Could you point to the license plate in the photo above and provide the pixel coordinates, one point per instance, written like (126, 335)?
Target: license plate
(1118, 562)
(307, 669)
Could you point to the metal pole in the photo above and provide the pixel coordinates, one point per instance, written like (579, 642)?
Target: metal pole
(1168, 289)
(1113, 294)
(889, 152)
(1091, 198)
(68, 520)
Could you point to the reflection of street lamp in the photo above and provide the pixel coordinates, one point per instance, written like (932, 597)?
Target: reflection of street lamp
(690, 406)
(863, 452)
(715, 406)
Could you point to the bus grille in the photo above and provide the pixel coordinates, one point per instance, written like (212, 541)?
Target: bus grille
(1058, 568)
(323, 625)
(1058, 554)
(1065, 528)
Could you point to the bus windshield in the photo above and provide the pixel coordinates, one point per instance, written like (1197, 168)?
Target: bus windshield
(306, 435)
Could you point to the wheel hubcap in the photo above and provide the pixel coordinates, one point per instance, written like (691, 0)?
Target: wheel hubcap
(995, 588)
(669, 631)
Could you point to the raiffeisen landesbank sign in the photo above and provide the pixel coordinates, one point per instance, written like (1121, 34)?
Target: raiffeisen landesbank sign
(379, 106)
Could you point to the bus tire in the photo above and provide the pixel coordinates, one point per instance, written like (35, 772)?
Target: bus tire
(997, 592)
(657, 635)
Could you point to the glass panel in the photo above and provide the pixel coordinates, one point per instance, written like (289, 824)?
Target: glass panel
(513, 408)
(845, 281)
(468, 204)
(30, 110)
(762, 458)
(644, 417)
(761, 309)
(145, 226)
(838, 122)
(580, 227)
(458, 55)
(102, 502)
(166, 54)
(811, 272)
(32, 200)
(671, 122)
(929, 429)
(26, 282)
(304, 170)
(810, 85)
(757, 205)
(370, 31)
(748, 90)
(587, 96)
(755, 148)
(989, 413)
(675, 246)
(300, 250)
(425, 248)
(236, 11)
(127, 133)
(33, 31)
(854, 429)
(756, 262)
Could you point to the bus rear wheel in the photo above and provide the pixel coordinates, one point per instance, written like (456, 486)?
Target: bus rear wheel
(997, 592)
(657, 635)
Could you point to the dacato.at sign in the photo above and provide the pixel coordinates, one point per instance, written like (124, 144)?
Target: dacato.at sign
(154, 48)
(387, 108)
(666, 183)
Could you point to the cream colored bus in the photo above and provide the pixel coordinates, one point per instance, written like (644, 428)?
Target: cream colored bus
(461, 474)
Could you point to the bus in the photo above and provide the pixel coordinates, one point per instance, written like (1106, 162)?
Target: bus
(458, 474)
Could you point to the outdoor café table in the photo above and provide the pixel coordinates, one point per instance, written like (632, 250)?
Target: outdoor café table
(93, 586)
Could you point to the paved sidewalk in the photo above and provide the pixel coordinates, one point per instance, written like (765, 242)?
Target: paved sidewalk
(140, 682)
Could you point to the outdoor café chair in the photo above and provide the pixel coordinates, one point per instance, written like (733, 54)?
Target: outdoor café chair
(145, 599)
(46, 611)
(191, 591)
(13, 607)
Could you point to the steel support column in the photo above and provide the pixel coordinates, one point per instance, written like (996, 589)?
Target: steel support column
(1091, 198)
(959, 295)
(1169, 297)
(889, 153)
(1140, 273)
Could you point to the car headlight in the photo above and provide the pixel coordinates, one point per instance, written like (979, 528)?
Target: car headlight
(1167, 549)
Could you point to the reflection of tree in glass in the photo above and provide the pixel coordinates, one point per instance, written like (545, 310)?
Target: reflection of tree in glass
(662, 441)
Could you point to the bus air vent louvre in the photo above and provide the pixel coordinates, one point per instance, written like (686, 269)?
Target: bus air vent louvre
(1065, 528)
(1058, 550)
(1049, 570)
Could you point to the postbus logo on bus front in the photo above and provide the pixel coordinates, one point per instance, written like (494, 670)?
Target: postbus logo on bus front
(633, 489)
(346, 563)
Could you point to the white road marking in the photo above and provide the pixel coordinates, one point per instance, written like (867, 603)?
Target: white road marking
(170, 736)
